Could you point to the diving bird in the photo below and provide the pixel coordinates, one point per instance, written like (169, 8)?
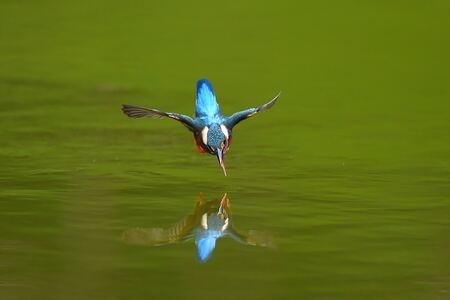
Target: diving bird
(212, 130)
(210, 221)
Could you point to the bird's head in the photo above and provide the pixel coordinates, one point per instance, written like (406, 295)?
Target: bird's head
(216, 215)
(216, 141)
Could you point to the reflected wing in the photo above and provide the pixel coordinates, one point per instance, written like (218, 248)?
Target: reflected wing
(159, 236)
(252, 238)
(242, 115)
(146, 237)
(142, 112)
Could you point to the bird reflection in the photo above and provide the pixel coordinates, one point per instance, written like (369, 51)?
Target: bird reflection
(210, 221)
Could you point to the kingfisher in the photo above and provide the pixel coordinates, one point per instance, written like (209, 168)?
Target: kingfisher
(212, 130)
(210, 221)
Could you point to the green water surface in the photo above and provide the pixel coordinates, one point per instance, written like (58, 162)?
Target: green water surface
(349, 171)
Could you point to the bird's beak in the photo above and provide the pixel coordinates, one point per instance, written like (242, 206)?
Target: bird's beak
(224, 204)
(221, 162)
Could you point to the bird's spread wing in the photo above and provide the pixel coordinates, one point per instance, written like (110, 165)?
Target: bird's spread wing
(141, 112)
(159, 236)
(242, 115)
(252, 237)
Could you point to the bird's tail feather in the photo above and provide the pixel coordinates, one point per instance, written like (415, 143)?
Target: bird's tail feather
(206, 104)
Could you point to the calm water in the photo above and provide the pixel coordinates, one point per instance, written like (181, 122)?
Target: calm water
(348, 173)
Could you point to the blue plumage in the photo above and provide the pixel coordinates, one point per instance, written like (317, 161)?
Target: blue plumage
(212, 130)
(205, 246)
(206, 107)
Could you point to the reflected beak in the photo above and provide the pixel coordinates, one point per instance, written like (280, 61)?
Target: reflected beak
(220, 158)
(224, 203)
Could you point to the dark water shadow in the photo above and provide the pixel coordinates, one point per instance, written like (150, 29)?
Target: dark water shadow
(210, 221)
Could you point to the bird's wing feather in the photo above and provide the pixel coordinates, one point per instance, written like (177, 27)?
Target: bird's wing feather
(244, 114)
(142, 112)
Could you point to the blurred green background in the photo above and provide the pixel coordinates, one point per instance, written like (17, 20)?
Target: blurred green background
(349, 170)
